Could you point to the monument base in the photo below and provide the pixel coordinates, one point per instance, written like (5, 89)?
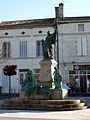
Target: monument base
(46, 72)
(59, 94)
(56, 95)
(33, 97)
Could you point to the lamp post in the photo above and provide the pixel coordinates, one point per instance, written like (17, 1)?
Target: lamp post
(9, 87)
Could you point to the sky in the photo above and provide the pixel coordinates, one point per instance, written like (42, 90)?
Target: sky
(11, 10)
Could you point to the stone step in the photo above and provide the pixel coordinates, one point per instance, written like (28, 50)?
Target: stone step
(66, 101)
(49, 109)
(44, 104)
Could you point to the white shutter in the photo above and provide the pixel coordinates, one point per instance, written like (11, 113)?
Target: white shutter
(1, 77)
(84, 45)
(1, 51)
(79, 52)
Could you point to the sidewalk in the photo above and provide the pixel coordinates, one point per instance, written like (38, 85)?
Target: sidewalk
(44, 115)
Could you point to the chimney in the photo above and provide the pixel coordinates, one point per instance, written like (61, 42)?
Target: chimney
(59, 11)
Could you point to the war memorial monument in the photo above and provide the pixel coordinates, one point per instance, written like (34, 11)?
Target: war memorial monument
(49, 86)
(47, 93)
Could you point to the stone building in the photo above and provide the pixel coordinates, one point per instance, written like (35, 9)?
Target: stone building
(20, 44)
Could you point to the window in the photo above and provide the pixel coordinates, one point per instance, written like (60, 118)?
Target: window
(38, 48)
(40, 31)
(80, 27)
(82, 46)
(23, 49)
(23, 32)
(6, 49)
(6, 33)
(23, 73)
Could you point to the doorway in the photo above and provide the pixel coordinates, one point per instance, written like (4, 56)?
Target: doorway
(80, 79)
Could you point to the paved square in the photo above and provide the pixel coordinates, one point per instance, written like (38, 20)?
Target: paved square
(44, 115)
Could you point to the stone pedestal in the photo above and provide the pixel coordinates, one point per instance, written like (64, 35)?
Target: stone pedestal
(46, 72)
(59, 94)
(33, 97)
(22, 95)
(46, 78)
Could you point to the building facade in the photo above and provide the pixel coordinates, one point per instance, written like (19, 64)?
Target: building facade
(20, 44)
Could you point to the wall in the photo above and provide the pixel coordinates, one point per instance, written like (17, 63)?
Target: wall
(31, 62)
(68, 47)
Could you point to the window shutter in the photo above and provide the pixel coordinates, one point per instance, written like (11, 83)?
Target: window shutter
(79, 52)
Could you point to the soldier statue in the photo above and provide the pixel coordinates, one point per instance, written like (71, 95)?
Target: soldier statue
(47, 45)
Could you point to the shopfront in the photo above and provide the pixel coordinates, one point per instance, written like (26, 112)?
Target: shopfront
(80, 78)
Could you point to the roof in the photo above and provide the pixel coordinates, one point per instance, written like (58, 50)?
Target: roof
(42, 22)
(74, 19)
(27, 23)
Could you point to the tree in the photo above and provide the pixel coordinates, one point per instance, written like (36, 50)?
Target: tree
(10, 70)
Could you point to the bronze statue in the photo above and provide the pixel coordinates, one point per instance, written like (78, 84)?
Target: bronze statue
(31, 87)
(47, 45)
(57, 79)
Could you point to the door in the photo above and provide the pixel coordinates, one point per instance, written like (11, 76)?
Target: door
(83, 82)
